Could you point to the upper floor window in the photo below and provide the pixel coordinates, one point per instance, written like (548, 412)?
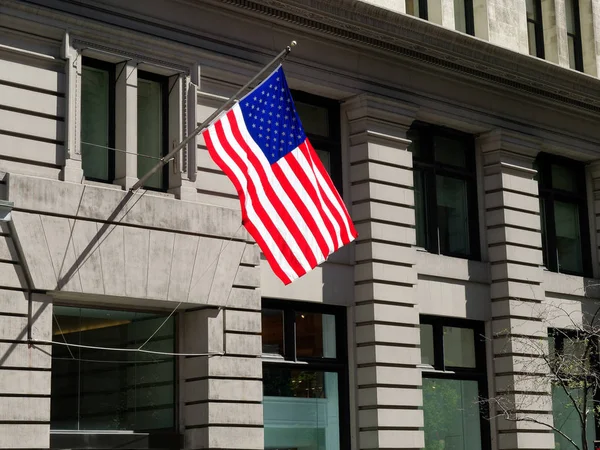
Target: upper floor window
(97, 120)
(535, 29)
(454, 382)
(305, 369)
(97, 132)
(574, 35)
(321, 121)
(152, 128)
(463, 16)
(445, 191)
(563, 208)
(417, 8)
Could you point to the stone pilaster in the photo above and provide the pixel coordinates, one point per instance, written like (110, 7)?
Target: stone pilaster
(519, 333)
(503, 23)
(386, 319)
(24, 370)
(222, 394)
(556, 47)
(126, 124)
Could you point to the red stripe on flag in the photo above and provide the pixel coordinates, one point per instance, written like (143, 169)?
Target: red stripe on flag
(272, 195)
(267, 221)
(250, 227)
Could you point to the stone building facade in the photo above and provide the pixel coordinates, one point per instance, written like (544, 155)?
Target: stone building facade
(463, 136)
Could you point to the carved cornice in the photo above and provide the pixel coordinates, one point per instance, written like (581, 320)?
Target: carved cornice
(367, 25)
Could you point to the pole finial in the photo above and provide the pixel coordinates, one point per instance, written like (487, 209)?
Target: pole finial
(293, 44)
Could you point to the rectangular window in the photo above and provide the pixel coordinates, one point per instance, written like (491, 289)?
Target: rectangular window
(305, 382)
(104, 392)
(454, 381)
(320, 118)
(535, 28)
(445, 191)
(573, 385)
(563, 201)
(574, 35)
(463, 16)
(97, 132)
(152, 129)
(417, 8)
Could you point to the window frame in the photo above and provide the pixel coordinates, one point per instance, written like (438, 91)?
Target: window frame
(164, 88)
(331, 144)
(87, 61)
(161, 438)
(290, 360)
(423, 10)
(429, 169)
(578, 56)
(538, 26)
(548, 195)
(439, 370)
(469, 18)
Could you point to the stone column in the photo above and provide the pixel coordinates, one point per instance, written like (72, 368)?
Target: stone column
(386, 328)
(502, 22)
(441, 12)
(72, 171)
(556, 47)
(519, 334)
(589, 14)
(126, 124)
(222, 394)
(24, 370)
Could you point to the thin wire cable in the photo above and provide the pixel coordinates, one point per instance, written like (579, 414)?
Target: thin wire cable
(62, 334)
(121, 151)
(124, 350)
(108, 361)
(203, 273)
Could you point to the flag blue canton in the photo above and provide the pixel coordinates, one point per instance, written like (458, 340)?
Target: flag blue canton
(271, 117)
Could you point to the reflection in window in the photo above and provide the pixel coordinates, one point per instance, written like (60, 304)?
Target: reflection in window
(427, 355)
(315, 335)
(451, 414)
(272, 331)
(563, 208)
(463, 16)
(574, 35)
(151, 110)
(566, 418)
(107, 390)
(459, 347)
(97, 120)
(535, 28)
(301, 409)
(445, 191)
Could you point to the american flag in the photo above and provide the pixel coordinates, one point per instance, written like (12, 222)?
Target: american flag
(289, 203)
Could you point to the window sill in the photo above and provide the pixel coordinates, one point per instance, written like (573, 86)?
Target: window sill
(451, 267)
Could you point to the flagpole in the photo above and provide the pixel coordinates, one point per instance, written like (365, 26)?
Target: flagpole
(165, 159)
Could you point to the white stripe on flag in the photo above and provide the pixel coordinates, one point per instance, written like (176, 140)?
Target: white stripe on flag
(280, 191)
(252, 215)
(262, 196)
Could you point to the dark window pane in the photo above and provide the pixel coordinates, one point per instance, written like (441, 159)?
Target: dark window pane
(272, 331)
(315, 335)
(531, 38)
(412, 8)
(568, 237)
(420, 208)
(459, 347)
(453, 215)
(570, 13)
(315, 119)
(544, 232)
(451, 413)
(564, 178)
(572, 59)
(95, 123)
(325, 158)
(107, 390)
(427, 353)
(450, 151)
(460, 16)
(301, 409)
(415, 145)
(150, 130)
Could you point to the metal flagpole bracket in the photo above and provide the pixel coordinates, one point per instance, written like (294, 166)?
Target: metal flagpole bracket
(165, 159)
